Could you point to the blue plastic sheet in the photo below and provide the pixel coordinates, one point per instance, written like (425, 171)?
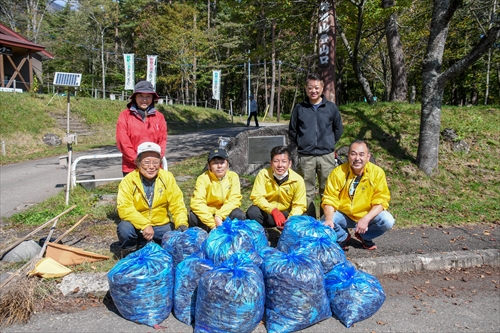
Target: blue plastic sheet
(298, 227)
(141, 285)
(230, 297)
(354, 295)
(295, 292)
(328, 252)
(182, 244)
(226, 240)
(187, 276)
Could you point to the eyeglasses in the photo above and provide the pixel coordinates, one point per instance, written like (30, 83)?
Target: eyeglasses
(147, 163)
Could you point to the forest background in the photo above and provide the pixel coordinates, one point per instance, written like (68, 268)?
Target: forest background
(408, 51)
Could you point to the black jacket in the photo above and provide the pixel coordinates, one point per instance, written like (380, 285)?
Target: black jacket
(315, 132)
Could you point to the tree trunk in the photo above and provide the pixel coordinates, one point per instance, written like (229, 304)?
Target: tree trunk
(399, 83)
(433, 82)
(278, 110)
(354, 54)
(273, 69)
(327, 45)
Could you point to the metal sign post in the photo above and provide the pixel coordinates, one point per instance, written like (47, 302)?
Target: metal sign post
(68, 80)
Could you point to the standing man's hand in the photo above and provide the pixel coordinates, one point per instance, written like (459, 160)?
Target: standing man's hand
(218, 221)
(148, 233)
(362, 225)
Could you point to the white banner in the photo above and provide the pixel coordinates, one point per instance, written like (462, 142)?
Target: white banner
(216, 85)
(129, 71)
(151, 75)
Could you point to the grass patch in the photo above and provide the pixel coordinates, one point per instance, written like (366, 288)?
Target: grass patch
(22, 130)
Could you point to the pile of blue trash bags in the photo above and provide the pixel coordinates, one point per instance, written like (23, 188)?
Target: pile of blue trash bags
(230, 280)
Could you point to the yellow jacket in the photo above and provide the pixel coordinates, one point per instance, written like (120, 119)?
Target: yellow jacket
(372, 190)
(213, 197)
(290, 196)
(133, 206)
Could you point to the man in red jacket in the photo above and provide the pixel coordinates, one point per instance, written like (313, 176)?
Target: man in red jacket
(139, 123)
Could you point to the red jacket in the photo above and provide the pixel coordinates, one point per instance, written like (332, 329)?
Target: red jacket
(131, 131)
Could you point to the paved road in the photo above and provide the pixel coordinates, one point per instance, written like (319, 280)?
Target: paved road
(463, 300)
(28, 183)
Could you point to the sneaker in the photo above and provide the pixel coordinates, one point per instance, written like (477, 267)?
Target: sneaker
(367, 244)
(345, 244)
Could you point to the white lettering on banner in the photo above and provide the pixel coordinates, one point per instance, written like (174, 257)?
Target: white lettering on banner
(324, 49)
(324, 6)
(151, 71)
(323, 27)
(216, 85)
(129, 71)
(323, 30)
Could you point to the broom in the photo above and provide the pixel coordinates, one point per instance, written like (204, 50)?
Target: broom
(17, 301)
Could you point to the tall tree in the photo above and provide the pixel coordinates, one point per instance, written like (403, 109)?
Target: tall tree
(399, 80)
(434, 79)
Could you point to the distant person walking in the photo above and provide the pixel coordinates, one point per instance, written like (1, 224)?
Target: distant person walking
(253, 111)
(315, 127)
(139, 123)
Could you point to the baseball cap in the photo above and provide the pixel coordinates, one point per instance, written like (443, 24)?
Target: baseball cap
(217, 153)
(148, 146)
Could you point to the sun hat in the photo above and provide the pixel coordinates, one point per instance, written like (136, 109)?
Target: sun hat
(217, 152)
(148, 146)
(144, 87)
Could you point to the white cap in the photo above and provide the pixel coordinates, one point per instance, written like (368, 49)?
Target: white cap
(148, 146)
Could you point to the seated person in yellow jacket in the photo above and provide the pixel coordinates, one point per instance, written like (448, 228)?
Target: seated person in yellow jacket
(278, 192)
(146, 197)
(216, 195)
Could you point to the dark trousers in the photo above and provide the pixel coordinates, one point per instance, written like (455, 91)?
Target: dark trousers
(194, 220)
(254, 115)
(129, 236)
(263, 218)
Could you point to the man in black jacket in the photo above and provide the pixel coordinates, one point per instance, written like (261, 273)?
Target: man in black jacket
(315, 127)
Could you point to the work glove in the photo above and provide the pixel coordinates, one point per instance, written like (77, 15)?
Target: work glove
(182, 228)
(279, 218)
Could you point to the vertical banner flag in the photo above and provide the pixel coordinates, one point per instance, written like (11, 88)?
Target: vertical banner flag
(216, 85)
(129, 71)
(151, 76)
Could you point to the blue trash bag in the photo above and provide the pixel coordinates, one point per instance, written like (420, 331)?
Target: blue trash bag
(187, 275)
(252, 229)
(354, 295)
(298, 227)
(295, 292)
(224, 241)
(328, 252)
(141, 285)
(230, 297)
(182, 244)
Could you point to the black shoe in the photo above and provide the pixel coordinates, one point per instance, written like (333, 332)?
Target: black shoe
(367, 244)
(126, 252)
(345, 244)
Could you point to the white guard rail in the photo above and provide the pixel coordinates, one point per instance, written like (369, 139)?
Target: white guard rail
(91, 157)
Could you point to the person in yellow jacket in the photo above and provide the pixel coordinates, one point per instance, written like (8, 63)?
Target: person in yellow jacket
(357, 197)
(216, 195)
(278, 192)
(146, 197)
